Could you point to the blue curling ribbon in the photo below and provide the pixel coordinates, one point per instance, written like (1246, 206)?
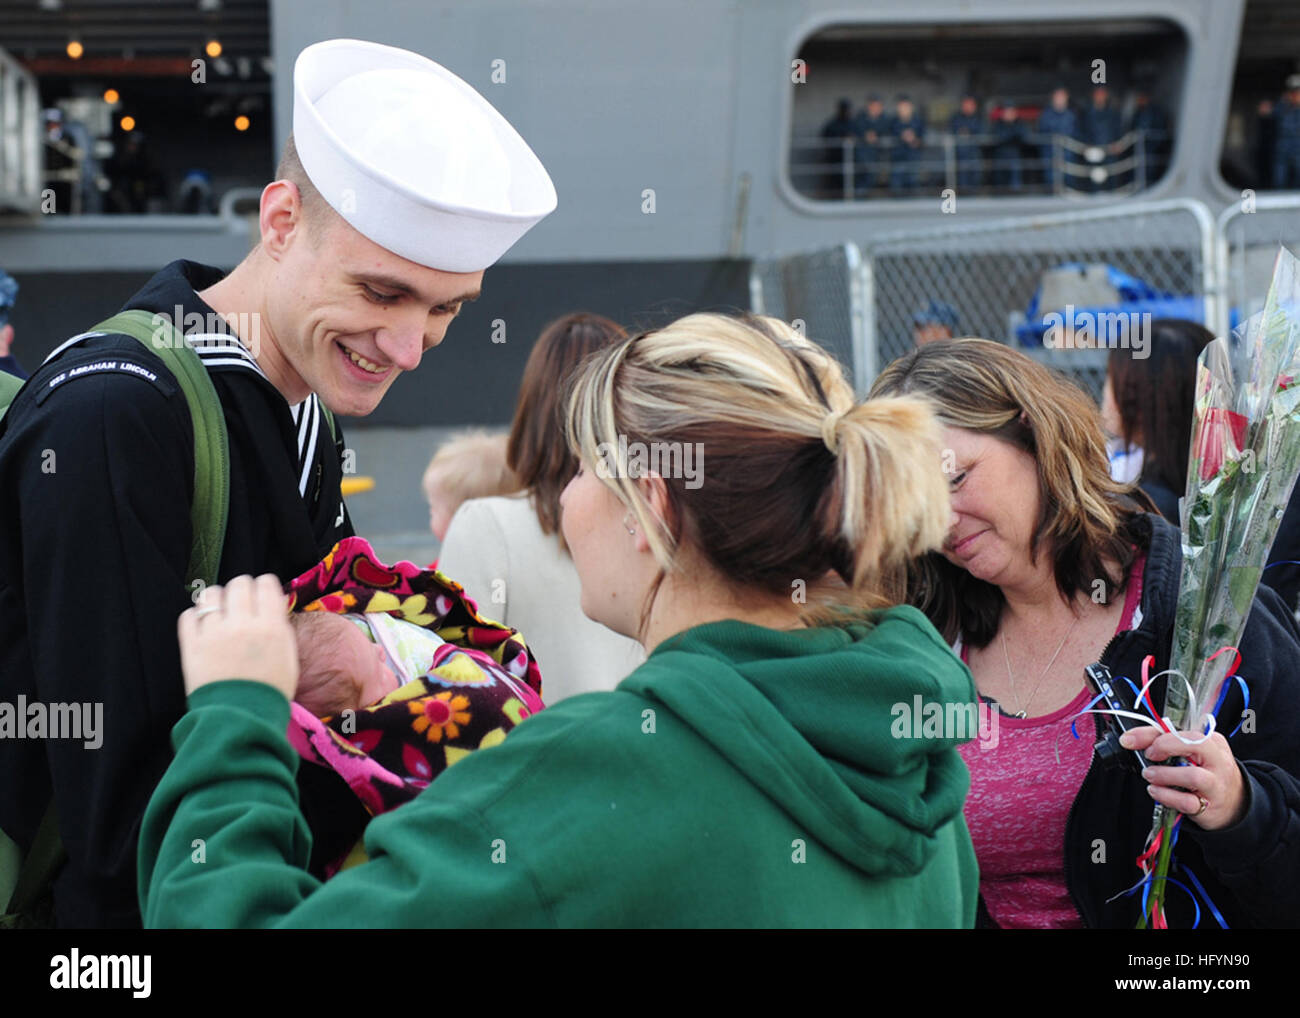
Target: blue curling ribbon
(1145, 884)
(1282, 562)
(1223, 695)
(1149, 879)
(1086, 707)
(1218, 916)
(1209, 903)
(1138, 703)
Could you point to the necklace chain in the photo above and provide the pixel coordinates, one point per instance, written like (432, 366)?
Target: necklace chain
(1024, 708)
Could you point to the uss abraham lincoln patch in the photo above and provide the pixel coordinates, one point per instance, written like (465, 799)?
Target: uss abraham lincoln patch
(102, 365)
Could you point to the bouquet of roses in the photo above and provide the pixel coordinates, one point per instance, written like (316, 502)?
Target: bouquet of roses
(1244, 459)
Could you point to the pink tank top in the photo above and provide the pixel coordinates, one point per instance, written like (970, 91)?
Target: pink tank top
(1023, 783)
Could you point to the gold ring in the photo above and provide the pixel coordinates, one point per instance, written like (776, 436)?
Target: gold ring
(1205, 804)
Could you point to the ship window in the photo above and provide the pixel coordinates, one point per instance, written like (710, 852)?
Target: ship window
(992, 110)
(1261, 145)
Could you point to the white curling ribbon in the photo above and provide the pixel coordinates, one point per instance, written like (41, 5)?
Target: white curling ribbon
(1207, 719)
(1148, 721)
(1210, 721)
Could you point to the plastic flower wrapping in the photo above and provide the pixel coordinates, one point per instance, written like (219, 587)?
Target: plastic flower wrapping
(1243, 462)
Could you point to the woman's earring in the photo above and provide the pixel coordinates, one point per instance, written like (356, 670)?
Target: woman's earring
(626, 517)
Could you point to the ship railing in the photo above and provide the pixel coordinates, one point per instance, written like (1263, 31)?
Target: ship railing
(852, 169)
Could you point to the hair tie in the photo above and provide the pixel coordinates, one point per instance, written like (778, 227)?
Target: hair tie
(831, 428)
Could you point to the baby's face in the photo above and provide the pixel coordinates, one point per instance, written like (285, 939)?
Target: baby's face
(368, 662)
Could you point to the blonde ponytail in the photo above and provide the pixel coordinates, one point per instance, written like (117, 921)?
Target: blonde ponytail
(894, 497)
(799, 480)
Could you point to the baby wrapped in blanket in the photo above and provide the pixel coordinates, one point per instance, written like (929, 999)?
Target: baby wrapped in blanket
(399, 676)
(346, 662)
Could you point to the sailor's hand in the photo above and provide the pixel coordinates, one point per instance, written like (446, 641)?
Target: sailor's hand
(240, 631)
(1209, 789)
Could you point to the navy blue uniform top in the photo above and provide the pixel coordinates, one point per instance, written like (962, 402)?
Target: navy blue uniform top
(1287, 118)
(1099, 126)
(96, 475)
(915, 124)
(1054, 121)
(882, 125)
(966, 124)
(838, 127)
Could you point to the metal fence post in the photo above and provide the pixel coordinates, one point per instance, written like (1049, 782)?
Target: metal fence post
(859, 301)
(1244, 269)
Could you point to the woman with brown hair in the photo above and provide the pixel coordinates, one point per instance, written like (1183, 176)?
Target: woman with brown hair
(1147, 404)
(507, 551)
(751, 773)
(1049, 566)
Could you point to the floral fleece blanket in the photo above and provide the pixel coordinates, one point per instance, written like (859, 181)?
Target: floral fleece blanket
(483, 682)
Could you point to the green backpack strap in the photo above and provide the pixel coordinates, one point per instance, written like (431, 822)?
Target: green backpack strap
(12, 870)
(32, 878)
(25, 882)
(10, 384)
(210, 508)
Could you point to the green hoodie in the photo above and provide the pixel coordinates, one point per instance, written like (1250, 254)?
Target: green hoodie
(741, 777)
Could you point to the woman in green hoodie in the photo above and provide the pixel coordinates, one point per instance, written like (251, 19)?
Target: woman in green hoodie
(744, 518)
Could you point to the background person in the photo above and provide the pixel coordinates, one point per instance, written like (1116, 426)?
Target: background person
(1151, 122)
(1147, 404)
(937, 320)
(1263, 143)
(1286, 137)
(838, 130)
(1100, 126)
(1058, 120)
(1009, 136)
(873, 127)
(758, 719)
(967, 125)
(908, 133)
(508, 551)
(467, 466)
(1038, 532)
(8, 297)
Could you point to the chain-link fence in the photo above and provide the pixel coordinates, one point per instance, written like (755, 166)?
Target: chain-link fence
(1044, 284)
(1249, 235)
(821, 294)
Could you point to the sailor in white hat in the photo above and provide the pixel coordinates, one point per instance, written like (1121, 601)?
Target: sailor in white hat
(399, 185)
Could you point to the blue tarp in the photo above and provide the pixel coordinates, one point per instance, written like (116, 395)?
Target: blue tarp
(1136, 297)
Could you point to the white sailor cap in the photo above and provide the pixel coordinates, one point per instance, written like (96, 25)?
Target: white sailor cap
(412, 157)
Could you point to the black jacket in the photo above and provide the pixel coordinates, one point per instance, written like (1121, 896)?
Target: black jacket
(96, 474)
(1250, 870)
(1285, 578)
